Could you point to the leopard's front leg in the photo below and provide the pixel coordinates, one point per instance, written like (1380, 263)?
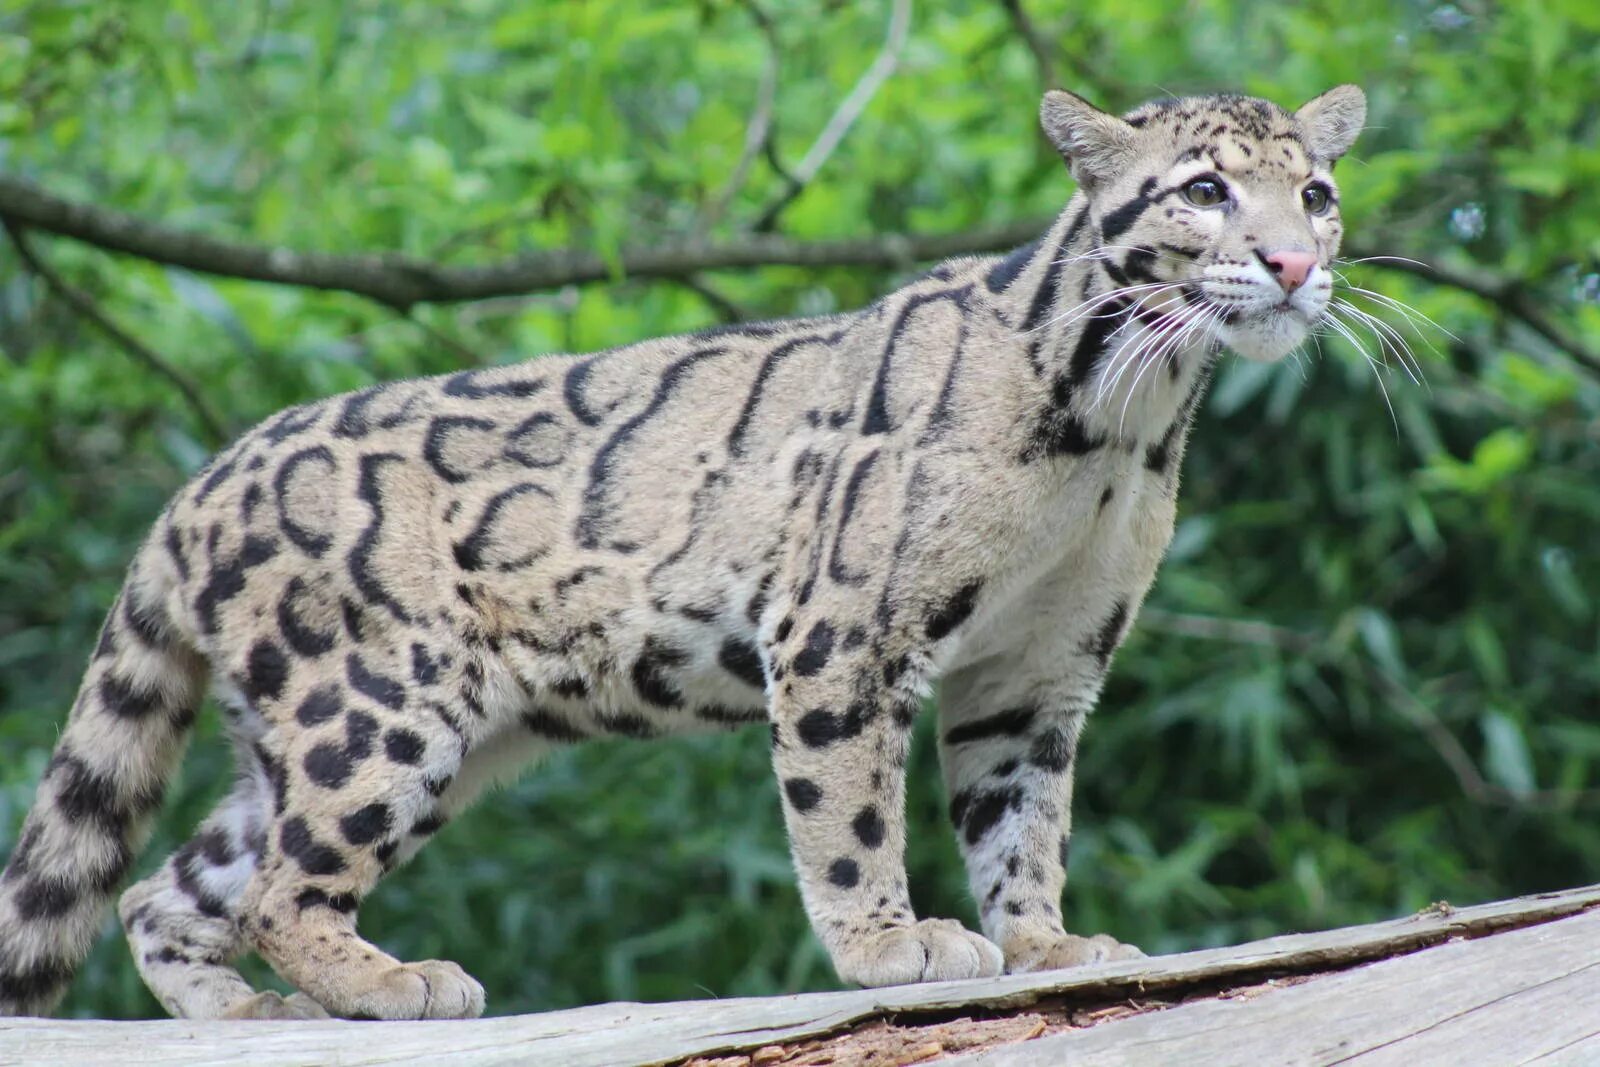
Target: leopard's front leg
(841, 734)
(1008, 743)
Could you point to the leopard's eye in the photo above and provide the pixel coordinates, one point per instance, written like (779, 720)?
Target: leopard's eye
(1205, 192)
(1317, 198)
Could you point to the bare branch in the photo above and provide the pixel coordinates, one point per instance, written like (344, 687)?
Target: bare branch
(845, 115)
(401, 281)
(759, 130)
(84, 305)
(1036, 43)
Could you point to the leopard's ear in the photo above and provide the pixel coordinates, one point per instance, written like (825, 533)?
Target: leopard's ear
(1332, 121)
(1095, 143)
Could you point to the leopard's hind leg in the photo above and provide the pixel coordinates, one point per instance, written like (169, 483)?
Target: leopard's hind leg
(363, 774)
(182, 922)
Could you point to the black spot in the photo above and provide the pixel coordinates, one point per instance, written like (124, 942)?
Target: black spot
(740, 659)
(429, 824)
(1105, 497)
(304, 639)
(266, 670)
(1005, 272)
(785, 626)
(1052, 750)
(819, 646)
(319, 706)
(470, 550)
(465, 384)
(852, 492)
(868, 825)
(725, 716)
(594, 518)
(330, 765)
(1013, 908)
(359, 563)
(44, 898)
(118, 697)
(227, 579)
(438, 439)
(424, 668)
(388, 692)
(312, 542)
(547, 724)
(147, 622)
(819, 727)
(186, 865)
(313, 856)
(844, 873)
(344, 903)
(34, 984)
(975, 813)
(769, 365)
(649, 676)
(84, 796)
(215, 477)
(877, 420)
(366, 825)
(625, 724)
(1106, 639)
(571, 686)
(954, 611)
(1012, 722)
(803, 793)
(403, 746)
(1066, 849)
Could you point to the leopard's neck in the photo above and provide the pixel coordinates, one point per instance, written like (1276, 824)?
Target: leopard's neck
(1114, 374)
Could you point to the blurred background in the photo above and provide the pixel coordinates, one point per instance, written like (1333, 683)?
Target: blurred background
(1368, 677)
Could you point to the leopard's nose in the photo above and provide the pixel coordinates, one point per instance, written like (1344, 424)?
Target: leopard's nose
(1290, 268)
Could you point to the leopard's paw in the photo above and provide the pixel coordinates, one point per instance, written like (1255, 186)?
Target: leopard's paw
(271, 1005)
(932, 950)
(432, 989)
(1049, 953)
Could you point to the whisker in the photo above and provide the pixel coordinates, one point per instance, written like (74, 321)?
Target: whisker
(1386, 336)
(1157, 356)
(1405, 309)
(1344, 331)
(1383, 259)
(1076, 312)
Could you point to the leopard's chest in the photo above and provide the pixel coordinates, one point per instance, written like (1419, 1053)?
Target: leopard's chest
(1099, 540)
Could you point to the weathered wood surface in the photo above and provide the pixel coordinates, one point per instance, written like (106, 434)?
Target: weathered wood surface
(1530, 990)
(1505, 999)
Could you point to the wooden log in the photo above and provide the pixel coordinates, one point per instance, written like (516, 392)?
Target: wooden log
(1552, 949)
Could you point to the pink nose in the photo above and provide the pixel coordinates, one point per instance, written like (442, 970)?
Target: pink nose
(1290, 268)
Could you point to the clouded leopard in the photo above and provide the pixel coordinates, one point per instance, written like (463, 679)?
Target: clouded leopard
(403, 594)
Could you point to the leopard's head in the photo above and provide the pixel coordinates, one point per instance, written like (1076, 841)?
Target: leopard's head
(1225, 203)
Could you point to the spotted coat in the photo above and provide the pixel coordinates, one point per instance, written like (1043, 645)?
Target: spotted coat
(403, 594)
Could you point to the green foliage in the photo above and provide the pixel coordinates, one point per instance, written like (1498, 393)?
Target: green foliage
(1410, 715)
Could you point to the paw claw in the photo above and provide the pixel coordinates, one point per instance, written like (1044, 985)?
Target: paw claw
(932, 950)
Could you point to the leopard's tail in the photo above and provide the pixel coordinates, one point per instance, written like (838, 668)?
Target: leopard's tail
(121, 744)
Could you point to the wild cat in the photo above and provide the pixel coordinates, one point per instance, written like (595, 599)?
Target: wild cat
(403, 594)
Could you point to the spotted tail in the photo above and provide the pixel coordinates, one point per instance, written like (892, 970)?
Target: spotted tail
(105, 780)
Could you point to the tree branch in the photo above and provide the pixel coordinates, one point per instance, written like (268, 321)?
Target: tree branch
(759, 130)
(1023, 24)
(401, 281)
(84, 305)
(845, 115)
